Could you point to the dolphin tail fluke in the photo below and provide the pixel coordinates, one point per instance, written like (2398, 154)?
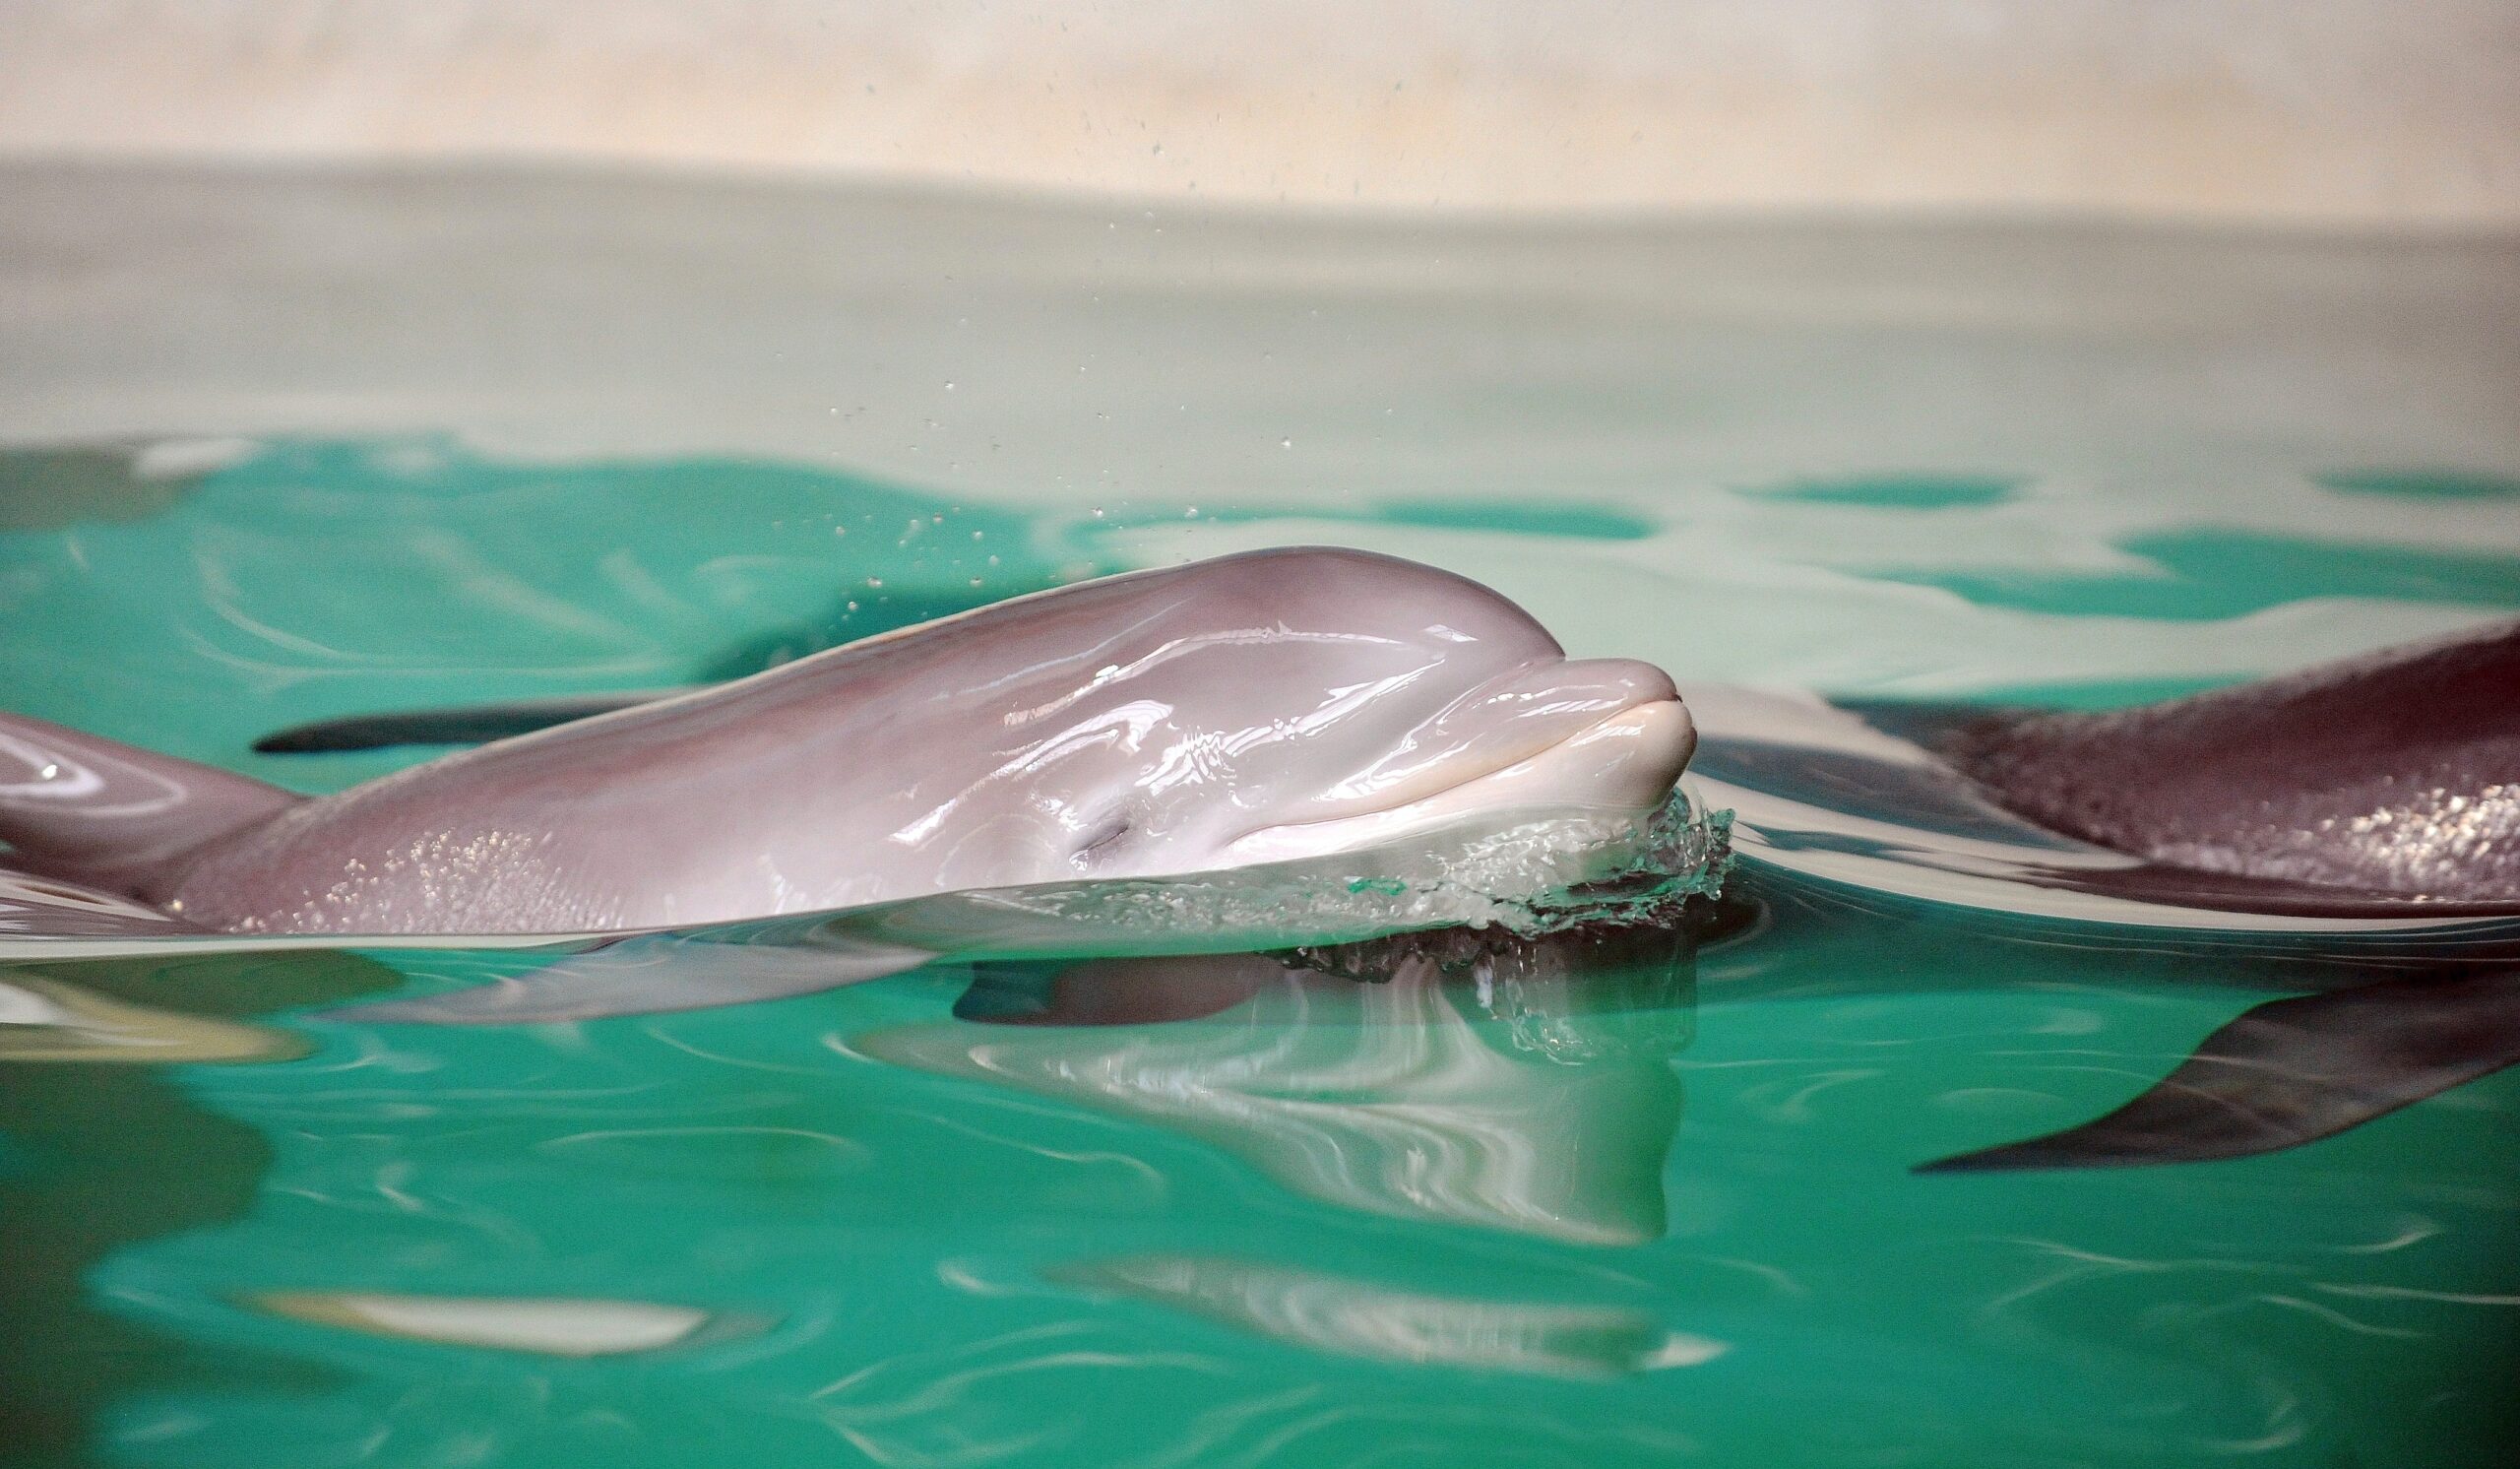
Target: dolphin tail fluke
(2293, 1071)
(470, 724)
(113, 816)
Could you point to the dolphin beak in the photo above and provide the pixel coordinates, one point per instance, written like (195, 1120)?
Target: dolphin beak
(1623, 765)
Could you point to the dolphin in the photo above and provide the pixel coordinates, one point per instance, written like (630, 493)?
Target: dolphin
(2381, 792)
(2393, 776)
(2358, 824)
(1275, 706)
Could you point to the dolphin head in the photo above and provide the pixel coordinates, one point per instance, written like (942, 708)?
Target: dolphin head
(1267, 707)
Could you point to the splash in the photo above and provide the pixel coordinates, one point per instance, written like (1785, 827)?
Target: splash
(1684, 852)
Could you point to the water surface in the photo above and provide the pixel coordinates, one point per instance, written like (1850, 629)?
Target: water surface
(285, 448)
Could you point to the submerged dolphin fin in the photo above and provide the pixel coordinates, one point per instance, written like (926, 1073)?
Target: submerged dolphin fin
(650, 976)
(470, 724)
(113, 815)
(2293, 1071)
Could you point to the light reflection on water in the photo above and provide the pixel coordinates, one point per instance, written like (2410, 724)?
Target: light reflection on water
(1604, 1202)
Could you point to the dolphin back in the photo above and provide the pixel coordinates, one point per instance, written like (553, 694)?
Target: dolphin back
(113, 816)
(2396, 773)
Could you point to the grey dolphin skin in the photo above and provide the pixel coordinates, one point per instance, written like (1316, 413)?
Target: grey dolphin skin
(2397, 774)
(1267, 707)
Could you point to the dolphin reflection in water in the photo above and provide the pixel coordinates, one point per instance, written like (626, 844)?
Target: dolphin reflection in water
(1326, 1312)
(551, 1327)
(1476, 1079)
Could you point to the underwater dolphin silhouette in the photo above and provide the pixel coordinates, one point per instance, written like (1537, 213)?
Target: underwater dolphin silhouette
(2291, 1071)
(1257, 708)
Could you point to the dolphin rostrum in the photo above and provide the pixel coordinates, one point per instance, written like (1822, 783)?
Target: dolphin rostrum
(1268, 707)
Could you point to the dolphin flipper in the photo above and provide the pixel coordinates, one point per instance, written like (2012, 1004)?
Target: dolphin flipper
(650, 976)
(472, 724)
(2293, 1071)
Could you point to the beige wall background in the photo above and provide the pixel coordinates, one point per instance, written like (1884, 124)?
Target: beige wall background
(2329, 112)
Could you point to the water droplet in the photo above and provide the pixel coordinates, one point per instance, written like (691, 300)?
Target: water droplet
(949, 387)
(1285, 443)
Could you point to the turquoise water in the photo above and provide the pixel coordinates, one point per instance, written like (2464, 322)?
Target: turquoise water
(1660, 1209)
(1644, 1199)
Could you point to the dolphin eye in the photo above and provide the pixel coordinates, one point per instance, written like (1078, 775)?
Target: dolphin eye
(1101, 839)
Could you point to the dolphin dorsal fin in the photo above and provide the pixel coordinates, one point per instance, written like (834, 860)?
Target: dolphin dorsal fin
(110, 815)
